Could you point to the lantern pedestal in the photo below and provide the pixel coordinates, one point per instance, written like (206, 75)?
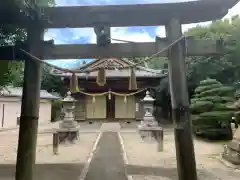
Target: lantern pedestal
(68, 131)
(232, 149)
(149, 129)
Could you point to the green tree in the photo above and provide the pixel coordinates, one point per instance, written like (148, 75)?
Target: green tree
(52, 83)
(211, 110)
(11, 72)
(224, 68)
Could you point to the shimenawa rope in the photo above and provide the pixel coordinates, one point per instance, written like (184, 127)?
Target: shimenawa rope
(97, 68)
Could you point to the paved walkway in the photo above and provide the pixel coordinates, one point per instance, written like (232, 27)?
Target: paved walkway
(107, 162)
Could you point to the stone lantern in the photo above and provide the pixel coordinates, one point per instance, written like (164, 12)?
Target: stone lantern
(149, 127)
(148, 119)
(68, 127)
(68, 110)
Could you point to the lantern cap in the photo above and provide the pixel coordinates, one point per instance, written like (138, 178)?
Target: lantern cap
(68, 98)
(147, 97)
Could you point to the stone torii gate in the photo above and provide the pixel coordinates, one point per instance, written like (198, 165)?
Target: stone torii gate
(171, 15)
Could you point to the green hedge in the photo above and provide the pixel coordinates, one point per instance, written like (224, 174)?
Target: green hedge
(213, 99)
(210, 103)
(201, 106)
(201, 89)
(56, 110)
(220, 91)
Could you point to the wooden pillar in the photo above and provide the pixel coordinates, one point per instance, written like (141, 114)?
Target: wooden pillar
(55, 142)
(160, 140)
(180, 105)
(30, 106)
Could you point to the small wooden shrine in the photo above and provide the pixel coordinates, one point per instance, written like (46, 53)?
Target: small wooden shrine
(113, 99)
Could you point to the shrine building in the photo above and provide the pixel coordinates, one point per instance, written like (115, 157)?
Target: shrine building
(111, 101)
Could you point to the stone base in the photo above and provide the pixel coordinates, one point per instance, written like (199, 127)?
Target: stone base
(231, 155)
(68, 135)
(147, 129)
(67, 124)
(155, 133)
(148, 123)
(152, 133)
(232, 150)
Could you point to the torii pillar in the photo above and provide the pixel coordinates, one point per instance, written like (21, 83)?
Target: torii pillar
(30, 105)
(186, 163)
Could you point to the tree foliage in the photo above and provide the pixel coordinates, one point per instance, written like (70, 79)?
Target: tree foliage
(224, 68)
(210, 107)
(50, 82)
(11, 72)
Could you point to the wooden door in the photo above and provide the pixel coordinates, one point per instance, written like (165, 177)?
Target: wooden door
(125, 109)
(110, 107)
(97, 109)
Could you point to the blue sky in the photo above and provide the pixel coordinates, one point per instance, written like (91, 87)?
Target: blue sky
(86, 35)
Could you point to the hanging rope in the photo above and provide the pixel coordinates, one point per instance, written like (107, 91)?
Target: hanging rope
(97, 68)
(112, 92)
(101, 77)
(154, 55)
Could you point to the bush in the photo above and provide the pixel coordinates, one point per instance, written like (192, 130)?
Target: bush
(201, 106)
(220, 91)
(56, 110)
(210, 107)
(217, 115)
(201, 89)
(209, 81)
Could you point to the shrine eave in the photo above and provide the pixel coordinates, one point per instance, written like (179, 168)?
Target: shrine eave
(116, 74)
(137, 15)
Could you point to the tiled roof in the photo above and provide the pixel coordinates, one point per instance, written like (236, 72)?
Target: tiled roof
(17, 92)
(120, 73)
(140, 70)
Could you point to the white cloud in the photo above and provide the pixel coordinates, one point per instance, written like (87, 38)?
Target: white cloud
(50, 36)
(82, 32)
(124, 34)
(160, 31)
(118, 33)
(67, 2)
(234, 11)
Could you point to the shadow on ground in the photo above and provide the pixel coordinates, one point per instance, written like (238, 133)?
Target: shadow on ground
(170, 173)
(45, 171)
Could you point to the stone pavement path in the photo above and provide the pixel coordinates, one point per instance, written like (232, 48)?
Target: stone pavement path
(107, 162)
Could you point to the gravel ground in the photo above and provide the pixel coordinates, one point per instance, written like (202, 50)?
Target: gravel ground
(145, 163)
(69, 162)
